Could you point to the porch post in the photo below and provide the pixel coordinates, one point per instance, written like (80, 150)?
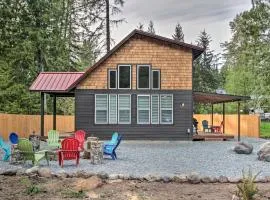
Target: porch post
(239, 125)
(212, 115)
(54, 112)
(223, 117)
(41, 114)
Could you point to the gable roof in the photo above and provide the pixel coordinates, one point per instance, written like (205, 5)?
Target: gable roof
(196, 51)
(59, 82)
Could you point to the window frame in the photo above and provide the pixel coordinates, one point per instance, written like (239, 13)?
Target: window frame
(109, 109)
(143, 95)
(118, 110)
(107, 120)
(138, 76)
(166, 109)
(152, 108)
(118, 76)
(159, 81)
(109, 79)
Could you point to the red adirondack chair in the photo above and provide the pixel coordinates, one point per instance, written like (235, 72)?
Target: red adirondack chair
(80, 136)
(69, 151)
(217, 129)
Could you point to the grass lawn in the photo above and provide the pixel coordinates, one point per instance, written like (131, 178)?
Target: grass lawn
(265, 129)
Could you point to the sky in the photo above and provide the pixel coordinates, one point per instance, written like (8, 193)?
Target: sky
(193, 15)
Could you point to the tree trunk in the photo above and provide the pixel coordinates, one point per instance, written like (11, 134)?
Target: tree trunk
(108, 37)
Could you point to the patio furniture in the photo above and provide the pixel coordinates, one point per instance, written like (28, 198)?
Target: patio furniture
(113, 140)
(13, 138)
(80, 136)
(69, 151)
(110, 148)
(26, 150)
(53, 139)
(217, 129)
(206, 128)
(6, 148)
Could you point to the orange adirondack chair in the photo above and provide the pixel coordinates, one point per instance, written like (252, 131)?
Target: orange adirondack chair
(217, 129)
(69, 151)
(80, 136)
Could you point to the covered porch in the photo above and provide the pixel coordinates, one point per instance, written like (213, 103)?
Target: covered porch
(214, 99)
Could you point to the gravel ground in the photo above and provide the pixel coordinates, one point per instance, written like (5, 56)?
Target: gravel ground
(169, 158)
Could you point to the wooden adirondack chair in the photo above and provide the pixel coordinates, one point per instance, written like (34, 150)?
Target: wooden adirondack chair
(206, 127)
(6, 148)
(80, 136)
(113, 140)
(217, 129)
(26, 150)
(53, 139)
(69, 151)
(110, 148)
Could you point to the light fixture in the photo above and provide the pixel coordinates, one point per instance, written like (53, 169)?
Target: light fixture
(182, 105)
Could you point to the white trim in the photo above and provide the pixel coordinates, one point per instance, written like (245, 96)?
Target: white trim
(109, 104)
(149, 70)
(109, 78)
(96, 108)
(149, 110)
(129, 122)
(130, 76)
(157, 70)
(165, 109)
(152, 108)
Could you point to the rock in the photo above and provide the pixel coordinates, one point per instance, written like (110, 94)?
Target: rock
(180, 178)
(150, 178)
(213, 180)
(62, 174)
(113, 177)
(82, 174)
(264, 152)
(206, 179)
(223, 179)
(193, 178)
(45, 172)
(109, 181)
(234, 197)
(166, 179)
(234, 180)
(87, 184)
(92, 195)
(32, 170)
(9, 172)
(243, 148)
(21, 172)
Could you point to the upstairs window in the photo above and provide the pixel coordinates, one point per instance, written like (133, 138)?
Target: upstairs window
(143, 77)
(124, 77)
(156, 79)
(112, 79)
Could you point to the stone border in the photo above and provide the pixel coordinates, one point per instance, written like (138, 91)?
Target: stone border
(192, 178)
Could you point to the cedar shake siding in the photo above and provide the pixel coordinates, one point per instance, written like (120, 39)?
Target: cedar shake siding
(85, 116)
(175, 64)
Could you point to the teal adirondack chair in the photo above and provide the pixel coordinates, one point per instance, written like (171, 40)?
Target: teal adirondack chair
(53, 139)
(6, 148)
(26, 150)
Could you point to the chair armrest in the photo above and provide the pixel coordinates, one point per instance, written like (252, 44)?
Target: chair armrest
(68, 150)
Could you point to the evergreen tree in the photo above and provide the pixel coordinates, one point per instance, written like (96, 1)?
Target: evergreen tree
(178, 35)
(140, 26)
(151, 28)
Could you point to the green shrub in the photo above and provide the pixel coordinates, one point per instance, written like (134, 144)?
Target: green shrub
(247, 189)
(74, 194)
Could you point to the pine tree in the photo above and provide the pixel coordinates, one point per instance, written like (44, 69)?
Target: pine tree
(178, 35)
(151, 28)
(140, 26)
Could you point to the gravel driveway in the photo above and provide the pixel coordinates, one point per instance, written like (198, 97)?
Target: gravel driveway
(169, 158)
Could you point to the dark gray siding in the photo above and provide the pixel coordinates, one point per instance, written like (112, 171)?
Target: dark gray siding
(182, 117)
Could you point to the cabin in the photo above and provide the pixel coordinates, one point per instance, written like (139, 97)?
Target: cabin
(142, 88)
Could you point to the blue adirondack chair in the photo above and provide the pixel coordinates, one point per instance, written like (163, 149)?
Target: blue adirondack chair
(109, 148)
(113, 140)
(6, 148)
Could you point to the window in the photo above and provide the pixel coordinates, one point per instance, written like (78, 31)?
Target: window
(155, 109)
(143, 77)
(155, 79)
(124, 109)
(143, 109)
(113, 109)
(112, 79)
(124, 76)
(101, 109)
(166, 109)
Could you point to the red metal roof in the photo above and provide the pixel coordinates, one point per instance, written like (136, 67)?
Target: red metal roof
(55, 81)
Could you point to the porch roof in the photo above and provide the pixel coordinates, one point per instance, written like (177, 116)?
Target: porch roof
(215, 98)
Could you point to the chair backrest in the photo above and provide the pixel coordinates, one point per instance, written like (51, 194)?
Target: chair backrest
(221, 124)
(13, 138)
(118, 142)
(80, 136)
(114, 139)
(26, 147)
(53, 137)
(205, 123)
(1, 141)
(70, 144)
